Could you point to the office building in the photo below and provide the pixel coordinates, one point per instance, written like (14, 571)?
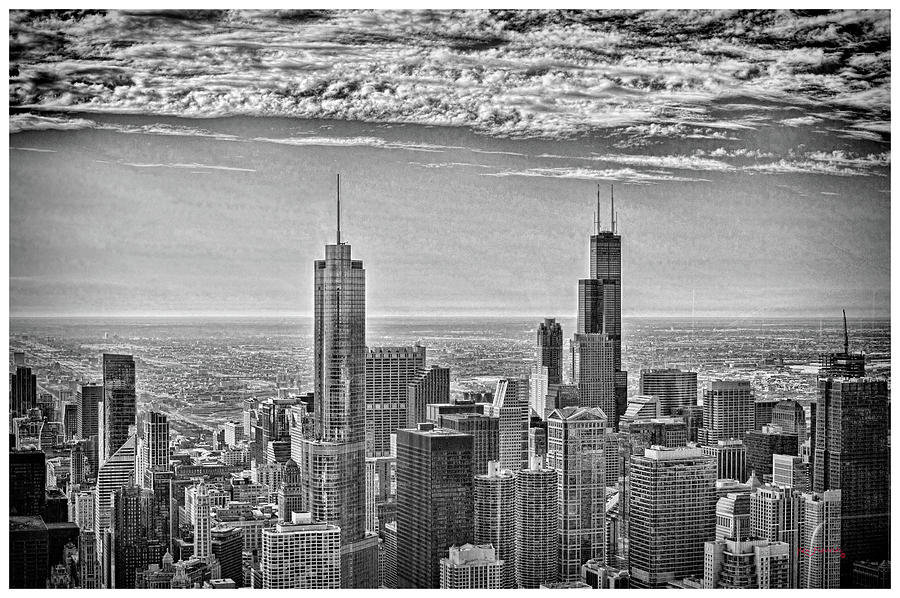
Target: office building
(775, 516)
(746, 564)
(593, 372)
(852, 455)
(485, 432)
(845, 364)
(333, 460)
(155, 443)
(549, 349)
(129, 546)
(762, 445)
(789, 471)
(227, 546)
(674, 388)
(538, 387)
(821, 545)
(733, 517)
(428, 387)
(115, 473)
(471, 567)
(90, 397)
(290, 491)
(672, 514)
(119, 406)
(302, 554)
(434, 500)
(642, 407)
(575, 443)
(201, 518)
(790, 417)
(495, 518)
(22, 392)
(728, 411)
(389, 371)
(381, 492)
(28, 552)
(511, 407)
(871, 574)
(434, 411)
(389, 565)
(27, 482)
(537, 526)
(763, 412)
(731, 459)
(598, 576)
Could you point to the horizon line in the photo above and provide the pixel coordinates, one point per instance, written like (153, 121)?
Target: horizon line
(273, 315)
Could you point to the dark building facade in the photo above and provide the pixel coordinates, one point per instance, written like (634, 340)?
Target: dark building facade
(28, 552)
(485, 432)
(27, 482)
(852, 455)
(549, 349)
(22, 391)
(761, 445)
(227, 545)
(119, 402)
(675, 388)
(434, 501)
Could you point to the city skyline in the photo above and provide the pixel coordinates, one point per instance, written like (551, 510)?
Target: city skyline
(731, 187)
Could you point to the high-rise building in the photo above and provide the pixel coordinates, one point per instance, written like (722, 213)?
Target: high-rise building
(733, 517)
(290, 491)
(90, 397)
(762, 445)
(302, 554)
(537, 526)
(820, 546)
(227, 545)
(389, 565)
(22, 391)
(593, 369)
(575, 443)
(845, 364)
(790, 417)
(119, 402)
(428, 387)
(763, 411)
(775, 516)
(155, 443)
(672, 514)
(731, 459)
(538, 388)
(471, 567)
(511, 407)
(675, 388)
(28, 552)
(116, 472)
(129, 545)
(872, 574)
(389, 370)
(791, 472)
(27, 481)
(642, 407)
(495, 518)
(727, 411)
(746, 564)
(600, 309)
(202, 522)
(333, 460)
(485, 432)
(852, 455)
(548, 350)
(434, 501)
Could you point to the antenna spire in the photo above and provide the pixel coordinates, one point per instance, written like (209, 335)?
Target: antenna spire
(339, 208)
(597, 213)
(612, 211)
(846, 335)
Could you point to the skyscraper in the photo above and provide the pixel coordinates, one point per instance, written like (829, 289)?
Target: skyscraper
(495, 518)
(537, 526)
(27, 481)
(227, 545)
(762, 445)
(389, 370)
(731, 459)
(119, 402)
(434, 501)
(155, 444)
(202, 522)
(548, 351)
(852, 455)
(775, 515)
(485, 432)
(90, 397)
(575, 442)
(675, 388)
(727, 411)
(600, 305)
(129, 546)
(511, 406)
(672, 514)
(333, 461)
(593, 371)
(116, 472)
(844, 364)
(821, 543)
(791, 472)
(22, 391)
(428, 387)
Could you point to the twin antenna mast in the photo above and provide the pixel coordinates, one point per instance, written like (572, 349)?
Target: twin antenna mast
(846, 335)
(613, 216)
(339, 209)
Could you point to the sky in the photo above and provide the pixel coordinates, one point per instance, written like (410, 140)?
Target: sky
(184, 163)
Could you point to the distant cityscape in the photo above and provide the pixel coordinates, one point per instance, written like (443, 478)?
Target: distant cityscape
(458, 453)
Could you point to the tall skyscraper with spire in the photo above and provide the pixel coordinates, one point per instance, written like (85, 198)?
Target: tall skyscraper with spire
(600, 313)
(334, 466)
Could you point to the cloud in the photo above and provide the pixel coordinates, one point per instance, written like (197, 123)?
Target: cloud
(33, 149)
(552, 74)
(625, 175)
(179, 166)
(375, 142)
(448, 165)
